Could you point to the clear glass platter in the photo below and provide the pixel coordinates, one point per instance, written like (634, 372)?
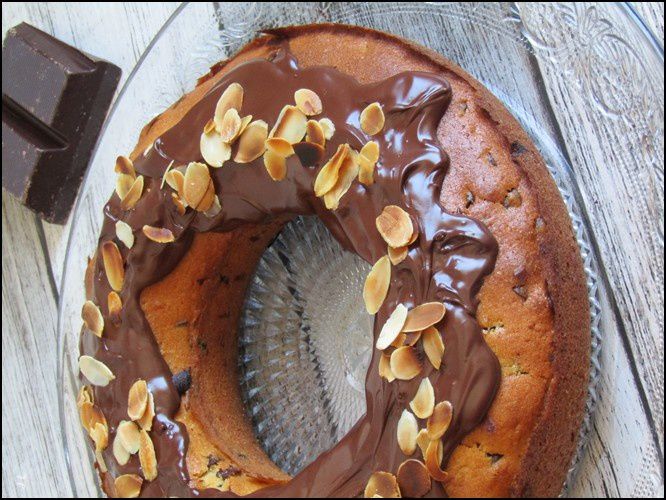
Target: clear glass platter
(496, 43)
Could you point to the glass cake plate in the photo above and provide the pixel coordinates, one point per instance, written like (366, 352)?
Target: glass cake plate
(305, 340)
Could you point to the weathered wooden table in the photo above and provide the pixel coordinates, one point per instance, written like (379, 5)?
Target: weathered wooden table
(625, 455)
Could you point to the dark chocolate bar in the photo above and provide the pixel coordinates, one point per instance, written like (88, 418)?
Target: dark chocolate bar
(54, 102)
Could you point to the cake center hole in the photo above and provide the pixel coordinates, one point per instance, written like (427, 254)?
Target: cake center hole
(305, 344)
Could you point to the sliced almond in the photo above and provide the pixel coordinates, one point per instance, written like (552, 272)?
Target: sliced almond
(415, 236)
(99, 433)
(146, 420)
(392, 327)
(433, 461)
(422, 440)
(413, 478)
(215, 208)
(385, 368)
(314, 133)
(371, 151)
(328, 127)
(411, 338)
(89, 415)
(123, 185)
(231, 126)
(92, 318)
(424, 316)
(114, 306)
(408, 428)
(147, 456)
(137, 399)
(128, 486)
(398, 342)
(85, 395)
(439, 421)
(424, 401)
(433, 346)
(178, 202)
(101, 464)
(346, 175)
(124, 233)
(367, 160)
(95, 371)
(276, 165)
(129, 435)
(209, 127)
(377, 284)
(208, 198)
(328, 175)
(125, 166)
(308, 102)
(405, 363)
(113, 265)
(252, 142)
(232, 97)
(395, 226)
(158, 234)
(133, 195)
(372, 119)
(196, 183)
(397, 255)
(245, 121)
(213, 149)
(280, 147)
(290, 125)
(382, 485)
(176, 180)
(121, 455)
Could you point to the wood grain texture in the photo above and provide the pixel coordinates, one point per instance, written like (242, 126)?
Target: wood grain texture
(625, 455)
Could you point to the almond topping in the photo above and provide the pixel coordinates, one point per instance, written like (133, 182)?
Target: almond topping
(113, 265)
(415, 236)
(411, 338)
(85, 395)
(397, 255)
(290, 125)
(196, 183)
(376, 285)
(424, 316)
(371, 151)
(280, 147)
(230, 126)
(405, 363)
(133, 195)
(433, 461)
(115, 306)
(124, 233)
(137, 399)
(433, 345)
(275, 165)
(232, 97)
(209, 127)
(90, 415)
(176, 180)
(328, 175)
(208, 198)
(215, 208)
(129, 436)
(422, 440)
(245, 121)
(252, 142)
(372, 119)
(346, 175)
(158, 234)
(408, 428)
(121, 455)
(99, 433)
(308, 102)
(125, 166)
(424, 401)
(413, 478)
(395, 226)
(146, 420)
(385, 368)
(392, 327)
(328, 127)
(213, 149)
(128, 486)
(147, 456)
(314, 133)
(95, 371)
(92, 318)
(123, 185)
(382, 485)
(178, 202)
(367, 159)
(439, 421)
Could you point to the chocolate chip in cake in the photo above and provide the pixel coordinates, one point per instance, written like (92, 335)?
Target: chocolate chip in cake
(517, 149)
(491, 159)
(228, 472)
(521, 291)
(494, 457)
(182, 380)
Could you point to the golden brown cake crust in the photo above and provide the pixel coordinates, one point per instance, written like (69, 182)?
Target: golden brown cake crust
(534, 305)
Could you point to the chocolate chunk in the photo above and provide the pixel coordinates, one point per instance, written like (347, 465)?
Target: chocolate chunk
(228, 472)
(182, 381)
(54, 102)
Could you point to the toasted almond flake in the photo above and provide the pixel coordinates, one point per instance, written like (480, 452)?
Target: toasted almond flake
(439, 421)
(146, 420)
(101, 464)
(176, 180)
(422, 440)
(230, 126)
(113, 265)
(308, 102)
(252, 142)
(147, 456)
(328, 175)
(276, 165)
(411, 338)
(92, 317)
(405, 363)
(279, 146)
(158, 234)
(397, 255)
(433, 461)
(309, 153)
(314, 133)
(124, 233)
(208, 198)
(123, 185)
(137, 399)
(370, 151)
(178, 202)
(133, 195)
(398, 342)
(213, 149)
(424, 316)
(382, 485)
(372, 119)
(99, 433)
(114, 305)
(433, 346)
(395, 226)
(368, 157)
(290, 125)
(377, 284)
(128, 486)
(86, 410)
(121, 455)
(385, 368)
(196, 183)
(232, 97)
(209, 127)
(95, 371)
(328, 127)
(93, 416)
(129, 436)
(85, 395)
(125, 166)
(215, 208)
(392, 327)
(346, 175)
(424, 401)
(245, 121)
(413, 478)
(408, 428)
(415, 236)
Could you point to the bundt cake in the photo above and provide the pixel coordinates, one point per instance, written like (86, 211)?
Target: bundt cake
(481, 340)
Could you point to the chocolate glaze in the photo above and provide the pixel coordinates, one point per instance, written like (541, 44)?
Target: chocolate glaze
(447, 263)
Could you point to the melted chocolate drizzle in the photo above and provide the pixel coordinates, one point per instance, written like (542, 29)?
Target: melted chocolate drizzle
(447, 263)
